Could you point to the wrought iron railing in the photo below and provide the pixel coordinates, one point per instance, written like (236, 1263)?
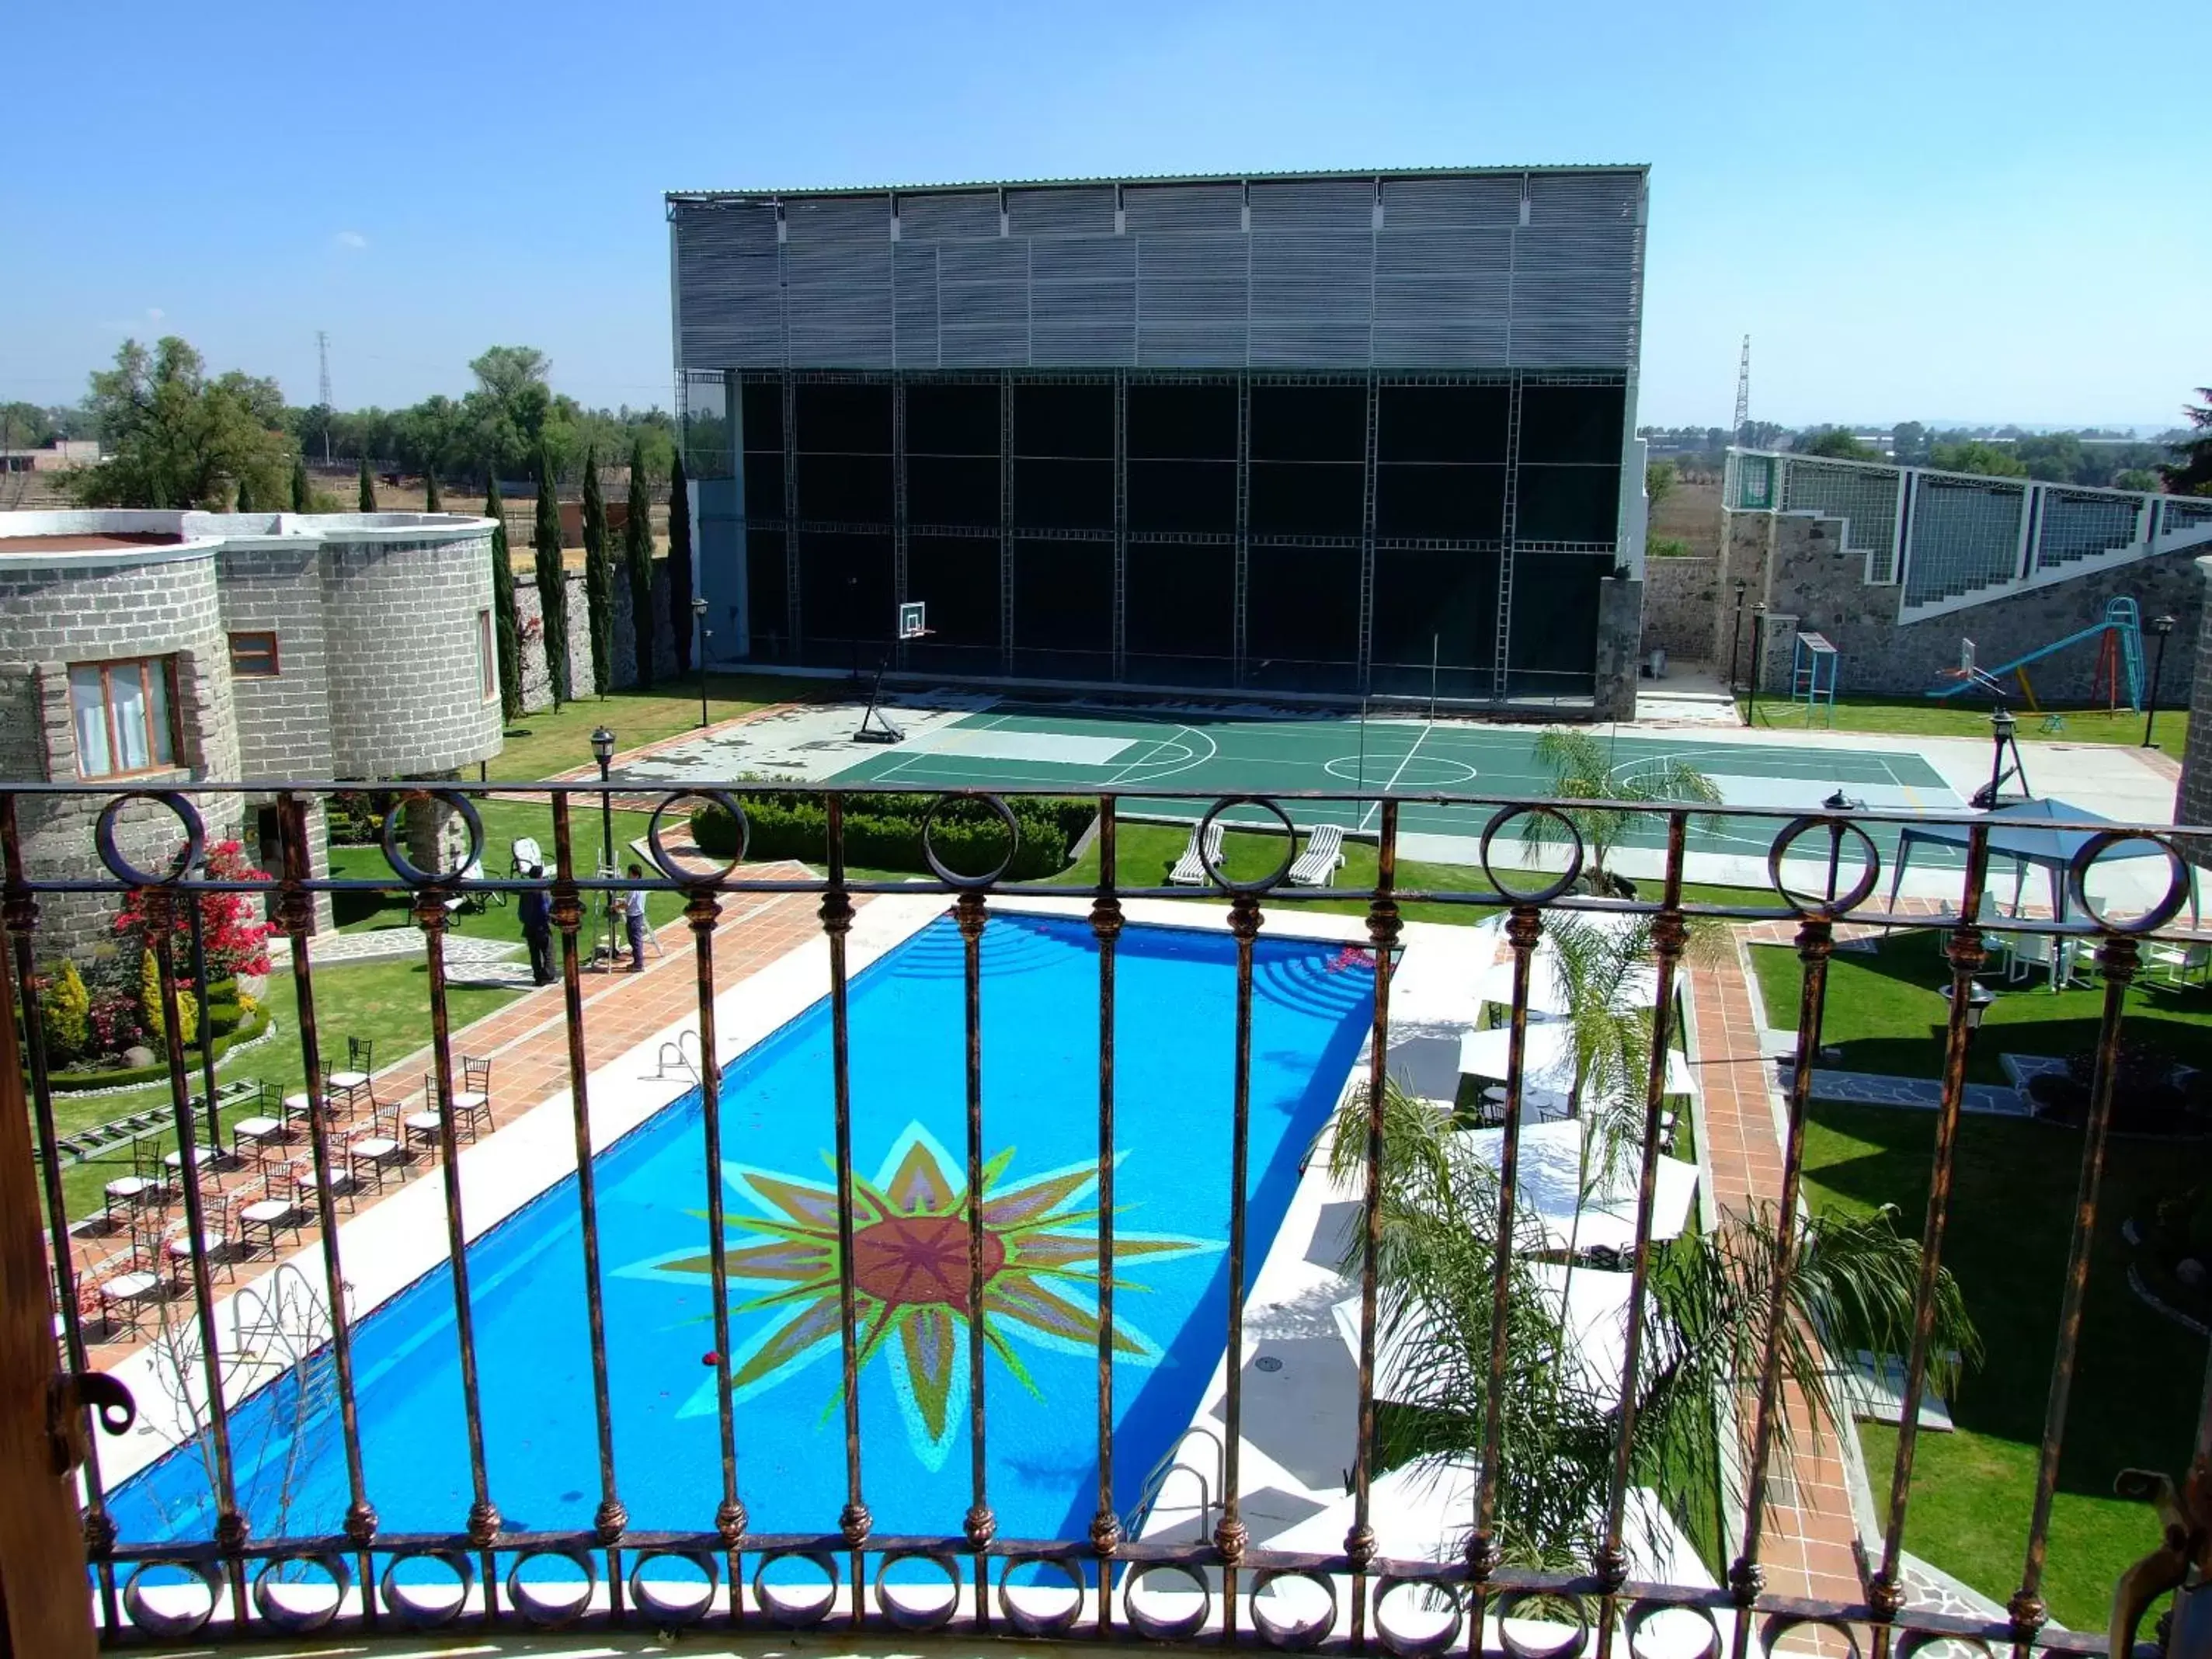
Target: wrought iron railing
(1825, 871)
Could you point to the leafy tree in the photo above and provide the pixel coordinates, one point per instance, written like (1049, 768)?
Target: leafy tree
(1658, 483)
(65, 1011)
(637, 554)
(552, 581)
(680, 621)
(303, 499)
(1972, 455)
(502, 607)
(177, 439)
(368, 487)
(598, 579)
(1840, 1284)
(1836, 443)
(1581, 769)
(1908, 443)
(432, 501)
(244, 502)
(2137, 477)
(25, 426)
(2189, 473)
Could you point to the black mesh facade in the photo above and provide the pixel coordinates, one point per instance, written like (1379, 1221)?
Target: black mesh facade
(1335, 534)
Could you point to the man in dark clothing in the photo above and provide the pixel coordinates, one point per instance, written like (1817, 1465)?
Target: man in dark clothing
(538, 927)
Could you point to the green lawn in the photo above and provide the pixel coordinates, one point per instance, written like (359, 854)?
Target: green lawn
(2140, 1378)
(388, 1002)
(1885, 1012)
(544, 744)
(1957, 717)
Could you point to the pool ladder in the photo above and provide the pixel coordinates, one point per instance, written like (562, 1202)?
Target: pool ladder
(1148, 1495)
(675, 1054)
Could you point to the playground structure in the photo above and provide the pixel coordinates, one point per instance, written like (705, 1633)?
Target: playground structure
(2119, 662)
(1813, 674)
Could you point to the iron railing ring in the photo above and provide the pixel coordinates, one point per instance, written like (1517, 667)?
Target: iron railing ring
(1781, 1624)
(665, 861)
(1507, 815)
(403, 866)
(401, 1603)
(1028, 1620)
(1274, 878)
(2085, 858)
(675, 1611)
(1838, 828)
(970, 884)
(796, 1615)
(912, 1618)
(174, 1626)
(1508, 1605)
(551, 1612)
(1416, 1647)
(1645, 1609)
(1165, 1630)
(1296, 1635)
(103, 838)
(1911, 1639)
(269, 1587)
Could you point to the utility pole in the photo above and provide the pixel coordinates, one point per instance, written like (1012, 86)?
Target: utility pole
(1743, 395)
(323, 397)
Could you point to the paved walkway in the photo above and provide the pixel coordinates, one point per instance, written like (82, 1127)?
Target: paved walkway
(527, 1044)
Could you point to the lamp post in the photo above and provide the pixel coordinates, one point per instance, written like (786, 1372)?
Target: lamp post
(699, 612)
(602, 751)
(2001, 726)
(1979, 999)
(2162, 626)
(1735, 632)
(1758, 631)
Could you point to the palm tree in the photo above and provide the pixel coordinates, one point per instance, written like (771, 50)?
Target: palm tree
(1582, 770)
(1849, 1283)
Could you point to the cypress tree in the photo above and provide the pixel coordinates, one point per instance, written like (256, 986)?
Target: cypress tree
(368, 487)
(680, 621)
(598, 579)
(502, 607)
(302, 499)
(552, 581)
(245, 496)
(432, 500)
(637, 553)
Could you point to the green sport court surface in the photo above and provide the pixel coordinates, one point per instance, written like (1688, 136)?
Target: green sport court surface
(1015, 746)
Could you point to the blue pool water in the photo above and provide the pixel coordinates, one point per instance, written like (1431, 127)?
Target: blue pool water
(1174, 1054)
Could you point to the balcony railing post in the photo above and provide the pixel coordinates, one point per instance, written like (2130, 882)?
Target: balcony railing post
(1106, 926)
(1230, 1536)
(296, 914)
(855, 1522)
(230, 1525)
(1382, 928)
(980, 1526)
(611, 1519)
(1669, 935)
(2119, 957)
(20, 913)
(1965, 950)
(484, 1522)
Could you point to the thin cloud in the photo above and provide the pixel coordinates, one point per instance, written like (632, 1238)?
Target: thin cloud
(350, 239)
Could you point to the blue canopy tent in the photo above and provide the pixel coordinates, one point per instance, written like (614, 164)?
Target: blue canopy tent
(2022, 831)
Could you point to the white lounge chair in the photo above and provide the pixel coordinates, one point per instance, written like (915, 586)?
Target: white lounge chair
(522, 856)
(473, 871)
(1324, 856)
(1190, 869)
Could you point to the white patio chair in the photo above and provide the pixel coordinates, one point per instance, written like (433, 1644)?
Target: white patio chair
(1190, 869)
(1324, 856)
(473, 871)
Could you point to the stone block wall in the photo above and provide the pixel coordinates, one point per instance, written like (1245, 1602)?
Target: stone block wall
(407, 679)
(536, 682)
(1681, 597)
(283, 720)
(1620, 611)
(2189, 652)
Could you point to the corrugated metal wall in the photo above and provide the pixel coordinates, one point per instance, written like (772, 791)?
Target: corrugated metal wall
(1535, 271)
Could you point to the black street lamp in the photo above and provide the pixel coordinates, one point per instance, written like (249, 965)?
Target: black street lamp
(1758, 634)
(2162, 626)
(1735, 632)
(2002, 727)
(699, 612)
(602, 751)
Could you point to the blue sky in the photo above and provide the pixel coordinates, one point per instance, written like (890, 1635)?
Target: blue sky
(1948, 210)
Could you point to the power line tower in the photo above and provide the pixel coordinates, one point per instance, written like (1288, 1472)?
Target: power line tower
(1742, 395)
(322, 352)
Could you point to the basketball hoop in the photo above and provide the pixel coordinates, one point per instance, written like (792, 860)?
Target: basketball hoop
(913, 623)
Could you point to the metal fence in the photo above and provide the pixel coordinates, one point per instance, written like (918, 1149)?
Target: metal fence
(1826, 872)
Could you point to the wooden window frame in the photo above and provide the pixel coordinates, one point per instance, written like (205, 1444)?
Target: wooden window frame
(166, 667)
(276, 657)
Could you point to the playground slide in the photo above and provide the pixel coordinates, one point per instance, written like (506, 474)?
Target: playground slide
(2119, 660)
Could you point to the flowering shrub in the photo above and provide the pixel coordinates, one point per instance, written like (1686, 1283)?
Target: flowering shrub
(236, 939)
(65, 1011)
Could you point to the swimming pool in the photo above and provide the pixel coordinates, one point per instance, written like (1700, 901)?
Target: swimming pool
(1175, 1000)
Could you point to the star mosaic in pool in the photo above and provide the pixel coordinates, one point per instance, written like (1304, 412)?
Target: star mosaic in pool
(910, 1272)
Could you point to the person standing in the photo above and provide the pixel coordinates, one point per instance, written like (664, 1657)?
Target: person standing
(634, 918)
(538, 927)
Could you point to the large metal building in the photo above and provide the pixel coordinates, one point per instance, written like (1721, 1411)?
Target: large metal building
(1317, 434)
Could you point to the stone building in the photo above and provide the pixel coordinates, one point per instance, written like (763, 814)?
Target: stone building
(155, 650)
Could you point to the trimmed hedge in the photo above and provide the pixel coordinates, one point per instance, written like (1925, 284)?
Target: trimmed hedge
(884, 832)
(123, 1076)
